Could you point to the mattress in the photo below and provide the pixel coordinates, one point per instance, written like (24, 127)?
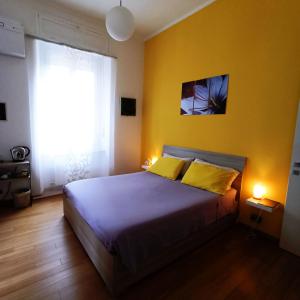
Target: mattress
(138, 215)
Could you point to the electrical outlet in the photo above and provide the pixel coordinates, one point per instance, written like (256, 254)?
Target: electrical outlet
(255, 218)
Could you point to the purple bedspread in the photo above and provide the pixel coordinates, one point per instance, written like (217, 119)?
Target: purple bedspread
(137, 215)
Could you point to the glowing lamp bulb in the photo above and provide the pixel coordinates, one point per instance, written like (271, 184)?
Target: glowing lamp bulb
(154, 160)
(259, 191)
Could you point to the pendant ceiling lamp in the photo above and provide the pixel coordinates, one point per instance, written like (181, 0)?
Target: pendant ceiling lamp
(120, 23)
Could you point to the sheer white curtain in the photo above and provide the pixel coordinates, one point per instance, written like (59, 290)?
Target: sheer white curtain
(72, 95)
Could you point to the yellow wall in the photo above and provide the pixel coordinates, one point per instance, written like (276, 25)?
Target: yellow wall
(257, 44)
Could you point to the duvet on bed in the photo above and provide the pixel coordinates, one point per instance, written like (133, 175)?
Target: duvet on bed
(138, 215)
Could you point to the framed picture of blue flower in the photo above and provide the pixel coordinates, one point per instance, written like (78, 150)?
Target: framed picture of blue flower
(205, 96)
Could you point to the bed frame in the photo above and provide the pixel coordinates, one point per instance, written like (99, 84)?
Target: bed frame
(114, 274)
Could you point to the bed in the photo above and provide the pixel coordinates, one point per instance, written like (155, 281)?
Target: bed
(134, 224)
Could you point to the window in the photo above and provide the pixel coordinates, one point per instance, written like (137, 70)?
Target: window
(72, 109)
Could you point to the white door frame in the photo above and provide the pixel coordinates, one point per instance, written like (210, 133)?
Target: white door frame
(290, 234)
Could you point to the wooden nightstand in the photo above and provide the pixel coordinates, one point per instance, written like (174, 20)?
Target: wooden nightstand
(264, 204)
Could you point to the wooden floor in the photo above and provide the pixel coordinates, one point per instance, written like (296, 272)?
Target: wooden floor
(40, 258)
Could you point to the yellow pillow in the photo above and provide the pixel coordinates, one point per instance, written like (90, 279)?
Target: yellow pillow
(209, 177)
(167, 167)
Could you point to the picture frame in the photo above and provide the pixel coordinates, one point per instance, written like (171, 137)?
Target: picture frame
(205, 96)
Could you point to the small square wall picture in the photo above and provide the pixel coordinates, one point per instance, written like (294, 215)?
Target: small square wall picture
(205, 96)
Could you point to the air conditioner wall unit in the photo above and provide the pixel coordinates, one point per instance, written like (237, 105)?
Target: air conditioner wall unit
(12, 38)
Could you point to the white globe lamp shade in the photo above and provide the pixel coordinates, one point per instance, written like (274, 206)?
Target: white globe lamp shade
(120, 23)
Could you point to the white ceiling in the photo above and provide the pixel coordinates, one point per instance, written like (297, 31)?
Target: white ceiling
(151, 16)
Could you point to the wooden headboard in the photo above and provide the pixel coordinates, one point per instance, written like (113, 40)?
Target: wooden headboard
(226, 160)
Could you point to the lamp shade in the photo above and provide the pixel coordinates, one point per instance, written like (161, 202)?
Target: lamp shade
(259, 191)
(120, 23)
(154, 159)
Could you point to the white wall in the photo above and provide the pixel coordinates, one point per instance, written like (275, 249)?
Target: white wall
(13, 80)
(13, 90)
